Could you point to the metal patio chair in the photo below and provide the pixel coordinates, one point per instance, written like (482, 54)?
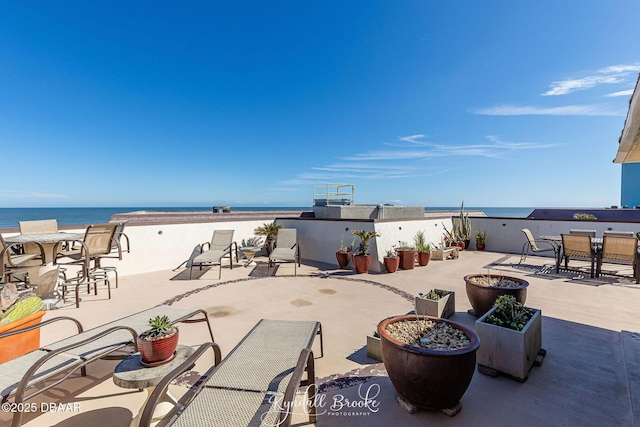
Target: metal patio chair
(545, 246)
(578, 246)
(619, 250)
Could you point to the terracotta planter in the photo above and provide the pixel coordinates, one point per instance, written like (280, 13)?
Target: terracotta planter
(423, 258)
(361, 263)
(391, 264)
(157, 351)
(460, 245)
(20, 344)
(407, 259)
(429, 379)
(343, 259)
(509, 351)
(480, 246)
(482, 297)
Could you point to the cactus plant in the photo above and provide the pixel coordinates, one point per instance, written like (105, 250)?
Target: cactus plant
(462, 225)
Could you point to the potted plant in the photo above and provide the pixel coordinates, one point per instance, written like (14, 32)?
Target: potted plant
(436, 303)
(481, 238)
(423, 248)
(373, 346)
(21, 314)
(361, 257)
(511, 336)
(158, 344)
(430, 361)
(462, 228)
(270, 231)
(391, 260)
(343, 254)
(407, 256)
(484, 289)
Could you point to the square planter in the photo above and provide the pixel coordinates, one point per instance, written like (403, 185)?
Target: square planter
(444, 308)
(444, 253)
(506, 350)
(374, 350)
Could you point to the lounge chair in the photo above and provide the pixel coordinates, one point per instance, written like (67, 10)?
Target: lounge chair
(287, 249)
(54, 363)
(254, 385)
(619, 233)
(578, 246)
(221, 246)
(619, 250)
(532, 245)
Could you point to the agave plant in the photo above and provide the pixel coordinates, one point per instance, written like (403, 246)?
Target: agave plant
(462, 226)
(159, 327)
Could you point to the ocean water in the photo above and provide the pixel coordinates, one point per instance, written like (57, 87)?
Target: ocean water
(9, 217)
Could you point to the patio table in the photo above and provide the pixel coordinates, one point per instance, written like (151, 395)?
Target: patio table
(49, 239)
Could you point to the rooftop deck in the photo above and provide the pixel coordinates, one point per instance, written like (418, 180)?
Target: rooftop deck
(590, 376)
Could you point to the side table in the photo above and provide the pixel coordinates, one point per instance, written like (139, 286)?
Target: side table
(250, 252)
(130, 373)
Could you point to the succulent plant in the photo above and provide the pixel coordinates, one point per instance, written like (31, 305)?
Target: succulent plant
(159, 327)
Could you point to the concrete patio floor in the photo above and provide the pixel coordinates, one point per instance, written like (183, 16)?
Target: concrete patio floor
(590, 376)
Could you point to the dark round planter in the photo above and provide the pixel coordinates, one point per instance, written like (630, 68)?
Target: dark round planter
(480, 246)
(407, 259)
(343, 259)
(429, 379)
(391, 264)
(157, 351)
(482, 297)
(361, 263)
(423, 258)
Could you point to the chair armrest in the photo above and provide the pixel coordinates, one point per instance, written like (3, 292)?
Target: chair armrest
(12, 245)
(158, 392)
(306, 357)
(41, 324)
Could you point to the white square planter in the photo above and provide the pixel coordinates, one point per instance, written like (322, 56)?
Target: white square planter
(445, 307)
(509, 351)
(374, 350)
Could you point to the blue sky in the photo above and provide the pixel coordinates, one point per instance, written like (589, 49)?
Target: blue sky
(501, 103)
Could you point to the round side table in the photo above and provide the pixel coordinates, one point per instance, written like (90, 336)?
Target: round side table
(130, 373)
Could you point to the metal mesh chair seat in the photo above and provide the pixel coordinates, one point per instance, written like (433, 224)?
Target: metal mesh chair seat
(619, 250)
(578, 246)
(14, 370)
(219, 408)
(272, 341)
(138, 322)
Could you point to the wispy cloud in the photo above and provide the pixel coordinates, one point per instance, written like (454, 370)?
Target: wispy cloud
(620, 93)
(494, 148)
(406, 160)
(607, 75)
(565, 110)
(17, 194)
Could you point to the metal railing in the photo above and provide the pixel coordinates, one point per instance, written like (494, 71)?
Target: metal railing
(333, 194)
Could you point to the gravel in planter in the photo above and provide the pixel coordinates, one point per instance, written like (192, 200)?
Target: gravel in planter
(428, 334)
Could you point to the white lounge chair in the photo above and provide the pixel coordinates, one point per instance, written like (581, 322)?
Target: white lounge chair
(287, 249)
(221, 246)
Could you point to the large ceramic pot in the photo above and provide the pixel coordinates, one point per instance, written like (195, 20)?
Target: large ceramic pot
(156, 352)
(407, 258)
(361, 263)
(343, 259)
(391, 264)
(482, 297)
(423, 258)
(430, 379)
